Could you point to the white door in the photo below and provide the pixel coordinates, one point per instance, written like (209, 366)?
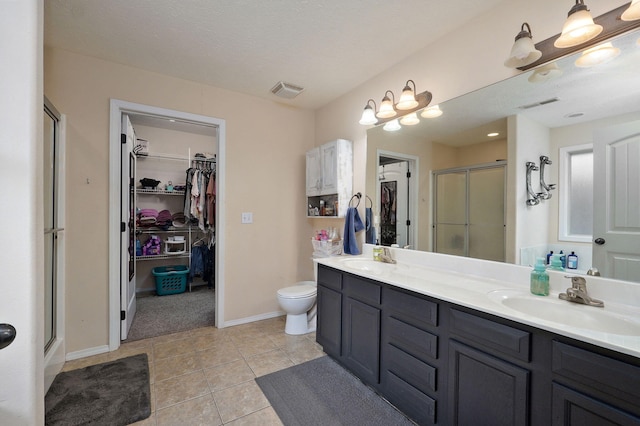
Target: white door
(127, 236)
(616, 216)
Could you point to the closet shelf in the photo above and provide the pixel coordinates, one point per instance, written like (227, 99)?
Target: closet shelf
(158, 191)
(163, 256)
(172, 229)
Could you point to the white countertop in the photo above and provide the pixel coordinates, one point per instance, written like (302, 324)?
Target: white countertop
(616, 326)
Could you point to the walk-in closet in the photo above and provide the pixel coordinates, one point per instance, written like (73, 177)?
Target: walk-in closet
(169, 207)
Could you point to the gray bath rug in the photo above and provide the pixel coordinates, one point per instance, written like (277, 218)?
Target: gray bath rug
(321, 392)
(112, 393)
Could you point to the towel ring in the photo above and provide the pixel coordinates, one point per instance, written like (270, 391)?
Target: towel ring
(358, 196)
(369, 200)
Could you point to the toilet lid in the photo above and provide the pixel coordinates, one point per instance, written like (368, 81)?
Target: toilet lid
(297, 291)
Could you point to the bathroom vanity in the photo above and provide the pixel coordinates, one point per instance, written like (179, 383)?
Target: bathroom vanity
(450, 348)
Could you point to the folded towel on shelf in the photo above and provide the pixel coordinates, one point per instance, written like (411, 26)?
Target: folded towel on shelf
(352, 224)
(370, 236)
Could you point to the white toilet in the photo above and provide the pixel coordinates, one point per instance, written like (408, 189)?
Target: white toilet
(299, 302)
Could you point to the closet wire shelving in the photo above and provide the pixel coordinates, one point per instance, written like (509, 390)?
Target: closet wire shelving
(189, 229)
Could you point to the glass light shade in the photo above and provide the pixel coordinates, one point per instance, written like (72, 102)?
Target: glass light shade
(368, 116)
(633, 11)
(407, 99)
(545, 73)
(386, 109)
(597, 55)
(523, 53)
(577, 29)
(392, 125)
(410, 119)
(431, 112)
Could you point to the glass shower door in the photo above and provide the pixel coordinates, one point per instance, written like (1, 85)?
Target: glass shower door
(486, 214)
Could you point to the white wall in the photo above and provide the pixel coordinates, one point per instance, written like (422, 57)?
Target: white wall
(22, 284)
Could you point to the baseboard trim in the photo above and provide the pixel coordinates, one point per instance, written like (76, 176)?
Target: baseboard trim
(87, 352)
(254, 318)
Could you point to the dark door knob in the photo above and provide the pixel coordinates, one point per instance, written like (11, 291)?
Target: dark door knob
(599, 241)
(7, 334)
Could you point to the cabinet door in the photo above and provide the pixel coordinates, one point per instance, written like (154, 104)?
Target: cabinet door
(314, 172)
(329, 325)
(486, 390)
(361, 339)
(329, 154)
(571, 408)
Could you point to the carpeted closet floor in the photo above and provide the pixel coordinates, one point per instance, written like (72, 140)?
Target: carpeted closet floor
(160, 315)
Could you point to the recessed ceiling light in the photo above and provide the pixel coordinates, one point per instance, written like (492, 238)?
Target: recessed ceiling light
(492, 135)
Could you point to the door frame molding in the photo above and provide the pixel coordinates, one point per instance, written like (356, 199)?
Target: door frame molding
(117, 107)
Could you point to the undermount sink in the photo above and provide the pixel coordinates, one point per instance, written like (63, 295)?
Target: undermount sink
(373, 267)
(567, 313)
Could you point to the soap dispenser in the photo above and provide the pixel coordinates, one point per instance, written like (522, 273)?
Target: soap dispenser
(377, 251)
(539, 279)
(556, 263)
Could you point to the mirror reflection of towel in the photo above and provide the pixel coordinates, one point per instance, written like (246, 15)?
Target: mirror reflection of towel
(370, 236)
(352, 224)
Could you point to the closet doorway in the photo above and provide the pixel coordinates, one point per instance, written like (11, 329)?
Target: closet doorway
(162, 145)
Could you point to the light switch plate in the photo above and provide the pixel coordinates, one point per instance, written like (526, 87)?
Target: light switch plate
(247, 217)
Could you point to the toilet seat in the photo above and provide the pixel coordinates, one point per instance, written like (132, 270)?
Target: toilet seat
(297, 291)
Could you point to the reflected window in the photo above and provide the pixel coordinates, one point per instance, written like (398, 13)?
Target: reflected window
(576, 193)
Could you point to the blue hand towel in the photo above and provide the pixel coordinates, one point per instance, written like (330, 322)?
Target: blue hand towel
(352, 224)
(370, 237)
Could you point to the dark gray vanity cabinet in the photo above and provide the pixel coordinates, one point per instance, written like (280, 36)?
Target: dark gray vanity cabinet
(329, 311)
(591, 388)
(444, 364)
(361, 328)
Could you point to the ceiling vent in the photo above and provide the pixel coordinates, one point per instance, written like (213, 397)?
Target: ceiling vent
(286, 90)
(536, 104)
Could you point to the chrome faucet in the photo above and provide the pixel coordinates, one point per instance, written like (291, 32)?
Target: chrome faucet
(385, 256)
(578, 293)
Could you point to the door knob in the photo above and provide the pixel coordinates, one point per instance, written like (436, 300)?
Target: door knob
(599, 241)
(7, 334)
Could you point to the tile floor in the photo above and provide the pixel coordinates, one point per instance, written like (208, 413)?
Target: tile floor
(206, 376)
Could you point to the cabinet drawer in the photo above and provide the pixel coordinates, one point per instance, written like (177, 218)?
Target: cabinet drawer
(413, 371)
(502, 338)
(329, 278)
(364, 291)
(412, 402)
(599, 372)
(419, 343)
(411, 309)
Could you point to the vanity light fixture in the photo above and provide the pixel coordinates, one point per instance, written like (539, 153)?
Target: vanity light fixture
(369, 115)
(392, 125)
(408, 98)
(410, 119)
(578, 28)
(523, 52)
(386, 107)
(597, 55)
(633, 11)
(431, 112)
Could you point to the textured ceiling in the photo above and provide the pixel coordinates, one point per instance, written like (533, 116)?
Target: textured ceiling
(329, 47)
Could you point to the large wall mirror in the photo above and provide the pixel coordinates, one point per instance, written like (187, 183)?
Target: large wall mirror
(456, 202)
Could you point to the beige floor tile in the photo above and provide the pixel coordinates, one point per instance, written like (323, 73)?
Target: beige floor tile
(181, 388)
(256, 346)
(127, 351)
(239, 400)
(195, 412)
(269, 362)
(219, 354)
(207, 340)
(152, 373)
(176, 366)
(172, 348)
(227, 375)
(171, 337)
(303, 351)
(265, 417)
(85, 362)
(283, 340)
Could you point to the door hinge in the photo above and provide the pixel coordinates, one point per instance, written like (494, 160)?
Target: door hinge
(123, 315)
(123, 138)
(123, 226)
(408, 222)
(408, 175)
(131, 182)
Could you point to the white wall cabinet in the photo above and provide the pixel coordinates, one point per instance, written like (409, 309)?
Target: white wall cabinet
(329, 178)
